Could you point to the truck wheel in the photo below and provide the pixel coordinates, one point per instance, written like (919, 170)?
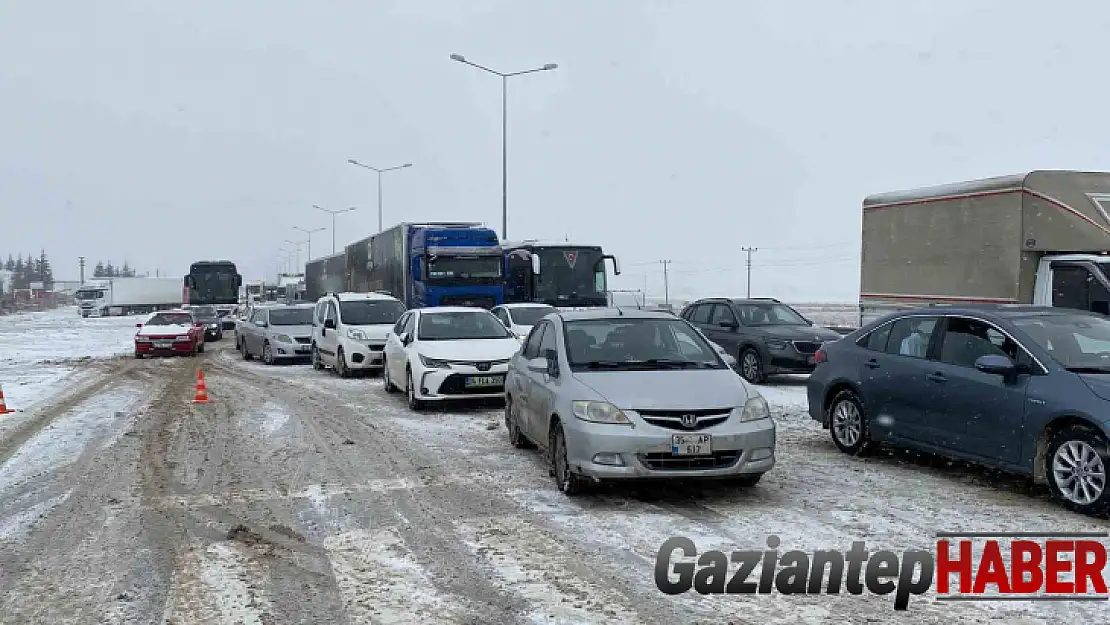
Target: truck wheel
(751, 366)
(1076, 467)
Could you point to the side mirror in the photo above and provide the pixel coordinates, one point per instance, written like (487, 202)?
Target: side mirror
(551, 357)
(616, 265)
(406, 339)
(535, 264)
(538, 365)
(729, 324)
(996, 364)
(329, 324)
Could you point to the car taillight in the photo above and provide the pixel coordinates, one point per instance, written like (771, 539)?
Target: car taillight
(820, 356)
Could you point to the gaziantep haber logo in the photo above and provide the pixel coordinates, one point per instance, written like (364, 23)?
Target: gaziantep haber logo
(984, 567)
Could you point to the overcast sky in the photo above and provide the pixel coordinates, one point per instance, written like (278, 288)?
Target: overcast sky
(164, 132)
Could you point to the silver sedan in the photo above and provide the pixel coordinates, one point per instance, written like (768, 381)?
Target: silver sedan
(615, 395)
(277, 333)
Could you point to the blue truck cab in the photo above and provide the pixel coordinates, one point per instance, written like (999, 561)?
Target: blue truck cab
(430, 264)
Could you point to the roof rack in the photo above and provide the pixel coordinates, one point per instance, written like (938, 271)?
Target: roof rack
(765, 299)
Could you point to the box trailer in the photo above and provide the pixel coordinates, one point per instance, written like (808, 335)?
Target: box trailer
(1041, 237)
(128, 296)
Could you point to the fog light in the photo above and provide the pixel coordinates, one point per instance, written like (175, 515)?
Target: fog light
(607, 458)
(762, 453)
(281, 351)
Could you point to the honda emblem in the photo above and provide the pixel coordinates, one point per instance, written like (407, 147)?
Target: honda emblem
(689, 420)
(572, 257)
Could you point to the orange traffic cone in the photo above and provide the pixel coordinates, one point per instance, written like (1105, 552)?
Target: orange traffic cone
(3, 406)
(202, 390)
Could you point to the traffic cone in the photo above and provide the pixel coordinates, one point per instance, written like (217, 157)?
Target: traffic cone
(202, 390)
(3, 406)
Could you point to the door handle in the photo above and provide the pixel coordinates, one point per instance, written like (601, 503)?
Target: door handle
(936, 377)
(872, 364)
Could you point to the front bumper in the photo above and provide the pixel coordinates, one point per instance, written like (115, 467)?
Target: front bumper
(363, 355)
(292, 350)
(794, 357)
(645, 451)
(452, 383)
(213, 333)
(155, 347)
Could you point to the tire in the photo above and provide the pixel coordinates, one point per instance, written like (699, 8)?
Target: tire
(139, 356)
(341, 364)
(516, 437)
(410, 390)
(390, 387)
(246, 352)
(1078, 454)
(267, 353)
(848, 424)
(751, 366)
(200, 348)
(749, 480)
(317, 364)
(567, 481)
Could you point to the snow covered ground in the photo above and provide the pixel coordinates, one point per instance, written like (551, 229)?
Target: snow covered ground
(41, 351)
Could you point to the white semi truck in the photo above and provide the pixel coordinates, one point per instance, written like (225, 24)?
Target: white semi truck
(1040, 238)
(106, 297)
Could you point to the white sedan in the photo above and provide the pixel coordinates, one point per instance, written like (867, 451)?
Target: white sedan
(448, 352)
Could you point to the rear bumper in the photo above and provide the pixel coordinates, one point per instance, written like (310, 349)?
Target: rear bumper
(178, 347)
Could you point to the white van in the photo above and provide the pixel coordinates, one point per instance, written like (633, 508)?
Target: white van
(349, 331)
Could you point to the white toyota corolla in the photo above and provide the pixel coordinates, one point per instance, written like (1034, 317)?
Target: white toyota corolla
(448, 352)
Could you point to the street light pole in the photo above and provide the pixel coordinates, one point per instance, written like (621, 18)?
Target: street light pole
(309, 233)
(504, 129)
(333, 213)
(380, 171)
(297, 249)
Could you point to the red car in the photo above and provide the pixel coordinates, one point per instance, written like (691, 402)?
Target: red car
(169, 332)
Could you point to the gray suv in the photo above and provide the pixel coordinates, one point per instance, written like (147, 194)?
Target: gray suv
(766, 336)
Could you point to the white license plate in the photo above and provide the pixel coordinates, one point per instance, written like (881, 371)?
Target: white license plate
(163, 344)
(692, 444)
(485, 380)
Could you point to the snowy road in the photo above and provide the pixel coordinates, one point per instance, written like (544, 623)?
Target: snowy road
(298, 497)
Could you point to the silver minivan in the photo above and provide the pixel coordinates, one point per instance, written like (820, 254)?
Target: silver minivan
(615, 394)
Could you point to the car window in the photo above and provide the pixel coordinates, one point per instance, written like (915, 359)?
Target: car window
(876, 339)
(410, 323)
(530, 315)
(399, 327)
(532, 345)
(721, 313)
(701, 314)
(319, 313)
(548, 340)
(258, 316)
(911, 336)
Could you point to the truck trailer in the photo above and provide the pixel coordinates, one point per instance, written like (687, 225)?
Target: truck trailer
(429, 264)
(1041, 237)
(128, 296)
(325, 275)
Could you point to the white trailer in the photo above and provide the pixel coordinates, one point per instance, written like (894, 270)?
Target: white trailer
(129, 296)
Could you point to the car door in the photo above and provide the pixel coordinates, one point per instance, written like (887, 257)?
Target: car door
(254, 340)
(394, 351)
(727, 337)
(699, 315)
(525, 381)
(329, 337)
(894, 379)
(969, 411)
(543, 387)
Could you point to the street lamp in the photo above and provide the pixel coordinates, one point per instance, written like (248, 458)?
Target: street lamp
(297, 247)
(380, 172)
(333, 213)
(287, 256)
(504, 129)
(309, 233)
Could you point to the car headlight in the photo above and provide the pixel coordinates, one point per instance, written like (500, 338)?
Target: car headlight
(754, 409)
(214, 326)
(600, 412)
(777, 344)
(283, 338)
(356, 334)
(434, 363)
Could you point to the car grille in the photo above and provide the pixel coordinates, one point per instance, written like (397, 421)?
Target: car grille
(672, 419)
(667, 462)
(455, 384)
(480, 365)
(376, 347)
(468, 300)
(304, 340)
(807, 347)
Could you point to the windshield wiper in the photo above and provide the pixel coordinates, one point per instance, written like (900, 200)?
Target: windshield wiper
(672, 364)
(603, 364)
(1088, 369)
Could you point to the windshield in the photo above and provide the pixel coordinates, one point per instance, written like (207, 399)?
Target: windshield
(769, 315)
(619, 343)
(477, 268)
(171, 319)
(291, 317)
(457, 326)
(203, 311)
(571, 274)
(86, 295)
(1076, 341)
(529, 315)
(370, 312)
(214, 286)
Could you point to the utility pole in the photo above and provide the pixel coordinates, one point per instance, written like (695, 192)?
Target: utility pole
(81, 264)
(749, 251)
(666, 285)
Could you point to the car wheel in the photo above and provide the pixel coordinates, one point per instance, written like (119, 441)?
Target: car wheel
(751, 366)
(390, 387)
(200, 348)
(566, 479)
(317, 364)
(138, 355)
(749, 480)
(267, 353)
(516, 438)
(247, 352)
(1076, 470)
(848, 424)
(414, 401)
(341, 364)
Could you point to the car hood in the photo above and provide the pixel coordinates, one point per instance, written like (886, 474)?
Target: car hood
(376, 332)
(1099, 383)
(668, 390)
(163, 330)
(801, 333)
(305, 330)
(473, 349)
(207, 320)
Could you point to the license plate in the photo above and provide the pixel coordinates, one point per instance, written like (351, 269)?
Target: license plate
(692, 444)
(163, 344)
(485, 380)
(810, 360)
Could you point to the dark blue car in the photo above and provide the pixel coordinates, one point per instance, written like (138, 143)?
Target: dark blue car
(1021, 388)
